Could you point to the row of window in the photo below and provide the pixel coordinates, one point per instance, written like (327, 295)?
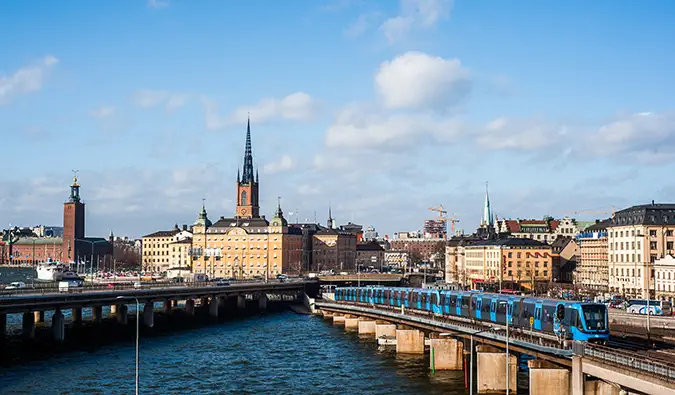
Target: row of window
(652, 233)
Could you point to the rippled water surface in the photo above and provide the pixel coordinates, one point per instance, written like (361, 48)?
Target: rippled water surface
(276, 353)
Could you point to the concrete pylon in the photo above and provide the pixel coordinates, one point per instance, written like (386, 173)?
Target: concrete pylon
(28, 326)
(338, 320)
(490, 362)
(58, 327)
(213, 307)
(77, 315)
(39, 316)
(446, 354)
(410, 341)
(262, 301)
(121, 313)
(167, 307)
(241, 302)
(351, 324)
(367, 327)
(547, 378)
(97, 313)
(190, 306)
(149, 314)
(578, 384)
(385, 330)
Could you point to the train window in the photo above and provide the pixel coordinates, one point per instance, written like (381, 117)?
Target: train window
(560, 312)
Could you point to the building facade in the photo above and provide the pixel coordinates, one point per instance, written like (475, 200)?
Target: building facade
(592, 272)
(369, 254)
(397, 259)
(419, 248)
(637, 237)
(664, 277)
(181, 248)
(334, 249)
(246, 245)
(156, 250)
(545, 230)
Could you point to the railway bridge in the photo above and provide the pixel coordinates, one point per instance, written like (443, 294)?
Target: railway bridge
(559, 367)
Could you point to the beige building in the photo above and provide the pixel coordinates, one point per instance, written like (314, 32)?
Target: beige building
(181, 250)
(637, 237)
(592, 273)
(664, 269)
(545, 230)
(156, 250)
(335, 250)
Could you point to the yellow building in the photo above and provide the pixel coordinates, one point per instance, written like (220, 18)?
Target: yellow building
(514, 261)
(246, 245)
(156, 250)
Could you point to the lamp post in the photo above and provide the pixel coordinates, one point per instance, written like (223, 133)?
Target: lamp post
(492, 328)
(138, 308)
(93, 243)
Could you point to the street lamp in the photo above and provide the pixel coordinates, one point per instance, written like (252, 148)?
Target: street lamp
(138, 305)
(93, 243)
(492, 328)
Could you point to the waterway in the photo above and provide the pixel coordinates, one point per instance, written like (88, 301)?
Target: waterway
(273, 353)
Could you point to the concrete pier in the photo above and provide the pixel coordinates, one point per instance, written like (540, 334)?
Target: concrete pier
(39, 316)
(149, 315)
(58, 327)
(491, 368)
(578, 384)
(351, 324)
(190, 306)
(410, 341)
(599, 387)
(338, 320)
(77, 315)
(241, 302)
(28, 326)
(446, 354)
(121, 313)
(367, 327)
(213, 307)
(382, 330)
(262, 302)
(97, 313)
(167, 307)
(547, 378)
(327, 315)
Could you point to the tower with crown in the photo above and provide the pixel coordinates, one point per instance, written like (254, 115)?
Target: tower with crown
(73, 222)
(247, 183)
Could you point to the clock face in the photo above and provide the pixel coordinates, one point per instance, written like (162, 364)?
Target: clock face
(244, 211)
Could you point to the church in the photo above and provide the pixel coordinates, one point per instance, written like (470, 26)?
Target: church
(246, 245)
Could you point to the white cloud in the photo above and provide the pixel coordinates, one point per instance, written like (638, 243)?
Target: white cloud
(360, 25)
(103, 112)
(416, 79)
(297, 106)
(415, 14)
(25, 80)
(520, 134)
(285, 163)
(148, 98)
(157, 3)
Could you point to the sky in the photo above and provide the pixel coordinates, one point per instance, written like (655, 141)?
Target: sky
(379, 109)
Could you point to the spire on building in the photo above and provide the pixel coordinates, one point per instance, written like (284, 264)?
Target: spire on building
(74, 189)
(247, 175)
(203, 219)
(279, 219)
(331, 221)
(488, 219)
(278, 213)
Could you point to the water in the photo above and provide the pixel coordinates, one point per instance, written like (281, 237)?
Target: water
(9, 274)
(276, 353)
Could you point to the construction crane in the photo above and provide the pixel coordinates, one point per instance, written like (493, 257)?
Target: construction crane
(452, 221)
(612, 213)
(440, 210)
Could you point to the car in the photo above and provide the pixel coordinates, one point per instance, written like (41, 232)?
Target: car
(178, 280)
(222, 283)
(16, 285)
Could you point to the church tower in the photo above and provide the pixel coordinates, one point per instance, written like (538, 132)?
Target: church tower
(247, 185)
(73, 222)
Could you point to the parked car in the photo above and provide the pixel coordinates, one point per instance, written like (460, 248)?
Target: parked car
(222, 283)
(16, 285)
(71, 285)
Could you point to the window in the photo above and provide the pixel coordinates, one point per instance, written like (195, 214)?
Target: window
(244, 198)
(652, 232)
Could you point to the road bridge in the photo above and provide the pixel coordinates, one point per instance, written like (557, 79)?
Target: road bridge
(561, 367)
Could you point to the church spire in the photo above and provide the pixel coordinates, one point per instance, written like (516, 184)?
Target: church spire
(488, 219)
(330, 217)
(247, 176)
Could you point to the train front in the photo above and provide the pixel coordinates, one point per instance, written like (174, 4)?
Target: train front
(595, 322)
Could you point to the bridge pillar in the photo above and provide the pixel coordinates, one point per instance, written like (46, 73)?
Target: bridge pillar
(149, 314)
(241, 302)
(3, 326)
(385, 330)
(120, 313)
(28, 326)
(213, 307)
(166, 307)
(190, 306)
(547, 378)
(204, 302)
(367, 327)
(351, 324)
(113, 309)
(58, 327)
(410, 341)
(578, 385)
(491, 368)
(327, 314)
(338, 320)
(39, 316)
(77, 315)
(599, 387)
(262, 301)
(446, 354)
(97, 313)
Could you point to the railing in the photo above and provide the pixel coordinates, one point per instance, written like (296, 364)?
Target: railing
(44, 290)
(660, 369)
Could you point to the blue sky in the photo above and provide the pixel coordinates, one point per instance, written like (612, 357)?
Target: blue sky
(381, 109)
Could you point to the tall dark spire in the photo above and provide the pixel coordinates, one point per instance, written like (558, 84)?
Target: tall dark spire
(247, 176)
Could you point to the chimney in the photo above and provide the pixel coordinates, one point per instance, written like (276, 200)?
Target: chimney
(184, 227)
(652, 202)
(597, 221)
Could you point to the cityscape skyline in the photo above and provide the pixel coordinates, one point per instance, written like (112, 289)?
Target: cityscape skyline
(404, 112)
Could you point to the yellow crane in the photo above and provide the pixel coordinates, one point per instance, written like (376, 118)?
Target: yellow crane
(441, 211)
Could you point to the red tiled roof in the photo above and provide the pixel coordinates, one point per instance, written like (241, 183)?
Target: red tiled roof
(512, 225)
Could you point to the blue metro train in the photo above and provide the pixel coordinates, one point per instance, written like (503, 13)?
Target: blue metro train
(566, 319)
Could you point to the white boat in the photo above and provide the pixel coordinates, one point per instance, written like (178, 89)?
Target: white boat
(54, 271)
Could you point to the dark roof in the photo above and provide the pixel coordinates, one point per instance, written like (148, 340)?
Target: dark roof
(646, 214)
(241, 223)
(599, 226)
(456, 241)
(39, 240)
(512, 242)
(372, 246)
(164, 233)
(561, 242)
(184, 241)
